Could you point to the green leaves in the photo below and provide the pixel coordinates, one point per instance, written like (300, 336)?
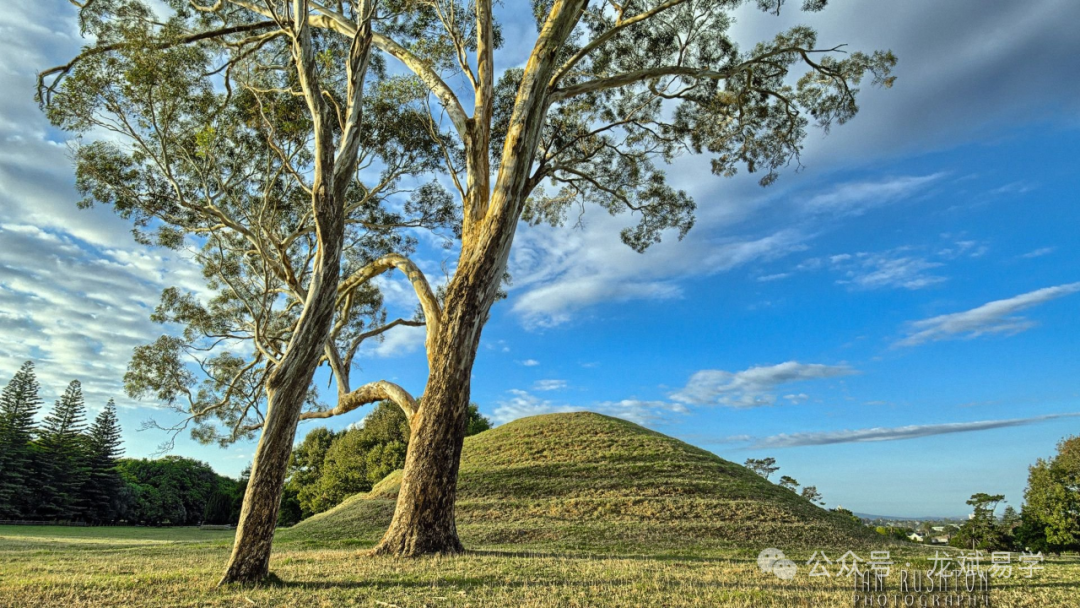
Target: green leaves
(658, 79)
(1052, 499)
(19, 404)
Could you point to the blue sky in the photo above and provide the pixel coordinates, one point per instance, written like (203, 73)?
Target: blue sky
(896, 323)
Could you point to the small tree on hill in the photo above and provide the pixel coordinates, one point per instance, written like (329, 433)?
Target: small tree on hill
(477, 422)
(762, 466)
(356, 459)
(788, 483)
(18, 406)
(981, 530)
(306, 467)
(811, 493)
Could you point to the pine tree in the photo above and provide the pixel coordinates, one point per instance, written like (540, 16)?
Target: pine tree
(18, 406)
(63, 452)
(103, 481)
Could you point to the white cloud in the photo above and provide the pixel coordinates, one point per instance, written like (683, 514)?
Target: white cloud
(77, 310)
(977, 83)
(997, 317)
(560, 271)
(906, 267)
(1037, 253)
(753, 387)
(530, 362)
(549, 385)
(885, 270)
(785, 440)
(398, 342)
(773, 277)
(963, 248)
(855, 198)
(521, 404)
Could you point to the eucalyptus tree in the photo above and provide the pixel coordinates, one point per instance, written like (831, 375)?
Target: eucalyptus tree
(244, 139)
(609, 94)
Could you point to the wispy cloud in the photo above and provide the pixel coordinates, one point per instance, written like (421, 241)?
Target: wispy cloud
(773, 277)
(997, 317)
(521, 404)
(905, 267)
(915, 431)
(855, 198)
(1014, 188)
(549, 385)
(78, 309)
(1038, 253)
(529, 362)
(753, 387)
(397, 342)
(876, 271)
(559, 273)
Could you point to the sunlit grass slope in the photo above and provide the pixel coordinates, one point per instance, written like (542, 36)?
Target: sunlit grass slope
(583, 481)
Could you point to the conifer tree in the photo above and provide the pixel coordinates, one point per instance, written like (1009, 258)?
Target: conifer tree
(18, 406)
(103, 481)
(62, 448)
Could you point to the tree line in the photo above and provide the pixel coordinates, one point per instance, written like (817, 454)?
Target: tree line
(65, 471)
(58, 469)
(62, 470)
(1049, 520)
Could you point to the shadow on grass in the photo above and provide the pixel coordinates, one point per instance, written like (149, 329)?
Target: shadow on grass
(463, 583)
(660, 557)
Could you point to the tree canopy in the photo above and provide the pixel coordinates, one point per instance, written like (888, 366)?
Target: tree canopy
(219, 145)
(1051, 513)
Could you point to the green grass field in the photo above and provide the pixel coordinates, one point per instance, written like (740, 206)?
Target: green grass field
(43, 566)
(562, 510)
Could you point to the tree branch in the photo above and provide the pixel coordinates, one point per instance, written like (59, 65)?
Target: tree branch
(369, 393)
(428, 302)
(619, 26)
(356, 72)
(45, 92)
(626, 78)
(434, 83)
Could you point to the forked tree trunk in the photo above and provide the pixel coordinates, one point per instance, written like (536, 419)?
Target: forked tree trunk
(424, 519)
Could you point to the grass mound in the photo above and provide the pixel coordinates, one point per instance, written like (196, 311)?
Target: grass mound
(584, 481)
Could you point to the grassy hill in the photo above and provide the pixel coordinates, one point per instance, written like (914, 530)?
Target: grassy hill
(583, 481)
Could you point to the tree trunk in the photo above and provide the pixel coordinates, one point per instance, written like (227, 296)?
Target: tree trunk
(286, 389)
(250, 560)
(424, 518)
